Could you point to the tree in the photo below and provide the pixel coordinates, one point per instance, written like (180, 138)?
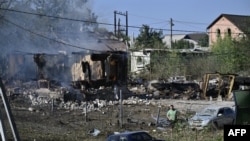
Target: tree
(231, 55)
(149, 38)
(242, 55)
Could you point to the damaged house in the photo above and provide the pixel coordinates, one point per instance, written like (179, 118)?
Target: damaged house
(101, 61)
(101, 68)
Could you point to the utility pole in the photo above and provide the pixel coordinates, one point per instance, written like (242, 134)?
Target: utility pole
(119, 28)
(171, 25)
(115, 22)
(126, 23)
(115, 26)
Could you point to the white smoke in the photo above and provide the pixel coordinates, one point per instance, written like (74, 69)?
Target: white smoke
(30, 33)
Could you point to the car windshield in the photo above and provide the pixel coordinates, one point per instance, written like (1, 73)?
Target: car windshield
(208, 112)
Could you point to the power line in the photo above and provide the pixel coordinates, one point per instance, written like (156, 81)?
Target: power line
(94, 22)
(55, 17)
(146, 17)
(86, 21)
(43, 36)
(167, 22)
(190, 22)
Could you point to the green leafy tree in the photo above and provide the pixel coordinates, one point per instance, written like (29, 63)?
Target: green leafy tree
(149, 38)
(242, 56)
(223, 50)
(231, 55)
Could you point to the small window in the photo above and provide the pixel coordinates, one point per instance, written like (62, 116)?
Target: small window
(229, 32)
(218, 33)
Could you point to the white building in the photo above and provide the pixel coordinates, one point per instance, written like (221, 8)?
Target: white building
(192, 38)
(139, 60)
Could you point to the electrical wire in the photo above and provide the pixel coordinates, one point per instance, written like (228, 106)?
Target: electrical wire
(94, 22)
(43, 36)
(101, 23)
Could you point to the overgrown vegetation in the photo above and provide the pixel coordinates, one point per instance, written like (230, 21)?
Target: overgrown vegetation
(227, 56)
(231, 56)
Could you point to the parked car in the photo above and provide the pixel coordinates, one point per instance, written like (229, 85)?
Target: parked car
(215, 116)
(132, 136)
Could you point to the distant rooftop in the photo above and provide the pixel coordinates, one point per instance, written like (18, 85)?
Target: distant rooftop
(241, 21)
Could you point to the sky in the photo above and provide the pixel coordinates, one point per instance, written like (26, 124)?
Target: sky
(188, 16)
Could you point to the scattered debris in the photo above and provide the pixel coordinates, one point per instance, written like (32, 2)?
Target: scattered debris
(94, 132)
(162, 122)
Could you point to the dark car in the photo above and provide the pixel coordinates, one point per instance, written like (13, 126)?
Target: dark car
(132, 136)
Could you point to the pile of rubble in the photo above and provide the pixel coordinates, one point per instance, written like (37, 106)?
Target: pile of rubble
(168, 90)
(93, 99)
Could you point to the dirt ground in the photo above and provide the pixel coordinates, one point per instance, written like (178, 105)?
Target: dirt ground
(44, 122)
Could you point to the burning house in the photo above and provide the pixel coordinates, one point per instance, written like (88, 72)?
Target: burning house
(102, 63)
